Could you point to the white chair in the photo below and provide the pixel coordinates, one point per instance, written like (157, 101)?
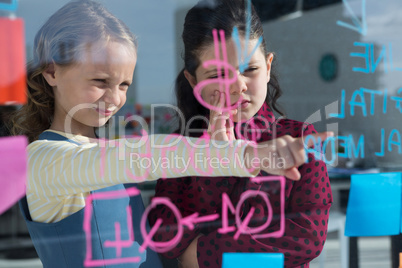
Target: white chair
(336, 223)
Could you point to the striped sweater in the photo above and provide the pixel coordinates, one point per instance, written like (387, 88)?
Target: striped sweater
(61, 173)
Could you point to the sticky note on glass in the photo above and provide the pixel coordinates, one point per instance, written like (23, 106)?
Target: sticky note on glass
(374, 206)
(10, 5)
(13, 170)
(13, 61)
(241, 260)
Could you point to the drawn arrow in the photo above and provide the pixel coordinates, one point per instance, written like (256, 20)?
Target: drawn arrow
(245, 58)
(189, 221)
(360, 27)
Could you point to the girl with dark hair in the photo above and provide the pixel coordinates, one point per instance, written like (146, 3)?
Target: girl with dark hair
(84, 59)
(249, 102)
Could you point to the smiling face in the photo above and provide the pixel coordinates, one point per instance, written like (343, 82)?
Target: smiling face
(88, 93)
(249, 91)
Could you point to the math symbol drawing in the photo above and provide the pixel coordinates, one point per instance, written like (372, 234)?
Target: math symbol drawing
(240, 226)
(116, 233)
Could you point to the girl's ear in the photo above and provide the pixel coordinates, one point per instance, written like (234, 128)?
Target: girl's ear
(270, 58)
(49, 75)
(191, 79)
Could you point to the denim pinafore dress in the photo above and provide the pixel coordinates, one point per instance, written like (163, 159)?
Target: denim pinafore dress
(64, 243)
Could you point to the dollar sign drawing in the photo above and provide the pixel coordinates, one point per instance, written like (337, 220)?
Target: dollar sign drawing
(224, 81)
(243, 57)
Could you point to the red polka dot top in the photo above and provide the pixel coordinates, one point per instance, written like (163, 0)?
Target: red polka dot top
(307, 204)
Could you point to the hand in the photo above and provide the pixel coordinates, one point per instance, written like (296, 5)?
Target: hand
(281, 156)
(189, 257)
(220, 123)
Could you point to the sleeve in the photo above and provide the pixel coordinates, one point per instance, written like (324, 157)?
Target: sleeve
(59, 168)
(307, 205)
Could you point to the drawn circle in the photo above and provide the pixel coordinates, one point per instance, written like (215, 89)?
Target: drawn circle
(161, 247)
(244, 197)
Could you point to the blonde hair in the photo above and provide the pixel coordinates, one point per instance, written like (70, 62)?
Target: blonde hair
(61, 40)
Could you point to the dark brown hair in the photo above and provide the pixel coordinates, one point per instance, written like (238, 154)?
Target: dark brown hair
(197, 34)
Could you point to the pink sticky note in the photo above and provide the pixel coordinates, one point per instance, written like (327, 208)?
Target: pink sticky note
(13, 170)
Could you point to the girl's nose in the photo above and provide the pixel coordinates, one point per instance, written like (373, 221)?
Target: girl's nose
(112, 96)
(239, 86)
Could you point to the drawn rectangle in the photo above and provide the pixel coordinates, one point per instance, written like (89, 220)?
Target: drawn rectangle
(89, 261)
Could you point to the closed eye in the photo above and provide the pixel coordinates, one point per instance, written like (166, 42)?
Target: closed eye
(214, 73)
(100, 80)
(221, 75)
(125, 85)
(251, 69)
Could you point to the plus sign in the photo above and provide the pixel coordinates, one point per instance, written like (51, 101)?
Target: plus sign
(118, 243)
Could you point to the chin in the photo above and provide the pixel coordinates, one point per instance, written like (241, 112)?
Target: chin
(98, 124)
(102, 124)
(244, 116)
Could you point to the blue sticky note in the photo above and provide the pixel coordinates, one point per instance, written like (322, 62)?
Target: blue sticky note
(255, 260)
(374, 206)
(10, 5)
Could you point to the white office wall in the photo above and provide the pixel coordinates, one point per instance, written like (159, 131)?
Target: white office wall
(153, 21)
(299, 45)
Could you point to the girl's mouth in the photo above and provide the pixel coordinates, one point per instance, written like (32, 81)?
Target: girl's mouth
(244, 104)
(106, 112)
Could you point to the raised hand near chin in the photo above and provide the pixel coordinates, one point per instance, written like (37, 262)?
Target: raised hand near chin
(220, 123)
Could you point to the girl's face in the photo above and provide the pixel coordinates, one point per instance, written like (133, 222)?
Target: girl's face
(251, 85)
(88, 93)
